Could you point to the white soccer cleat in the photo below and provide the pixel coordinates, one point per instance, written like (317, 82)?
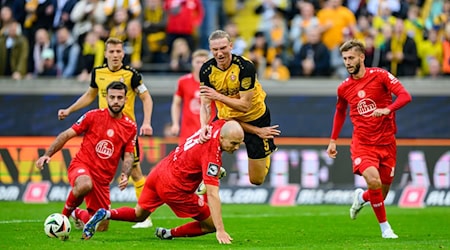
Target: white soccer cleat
(357, 205)
(389, 234)
(144, 224)
(222, 173)
(79, 224)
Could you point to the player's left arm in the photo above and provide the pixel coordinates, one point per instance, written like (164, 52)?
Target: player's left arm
(215, 207)
(147, 106)
(128, 160)
(403, 97)
(263, 133)
(147, 103)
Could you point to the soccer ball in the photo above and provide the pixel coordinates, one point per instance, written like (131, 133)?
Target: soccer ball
(57, 226)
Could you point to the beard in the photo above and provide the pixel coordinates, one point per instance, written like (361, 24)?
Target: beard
(356, 69)
(114, 110)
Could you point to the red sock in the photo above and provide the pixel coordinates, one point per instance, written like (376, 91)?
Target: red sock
(123, 214)
(82, 214)
(72, 202)
(190, 229)
(365, 196)
(377, 203)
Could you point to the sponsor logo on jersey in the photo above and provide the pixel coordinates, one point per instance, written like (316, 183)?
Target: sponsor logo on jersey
(104, 149)
(246, 82)
(366, 107)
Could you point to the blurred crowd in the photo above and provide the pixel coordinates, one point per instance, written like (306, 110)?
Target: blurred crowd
(291, 38)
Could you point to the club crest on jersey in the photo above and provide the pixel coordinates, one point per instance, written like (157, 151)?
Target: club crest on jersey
(366, 107)
(104, 149)
(110, 132)
(233, 77)
(361, 94)
(213, 169)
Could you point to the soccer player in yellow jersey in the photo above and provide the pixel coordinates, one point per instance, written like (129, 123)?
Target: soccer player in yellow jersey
(114, 70)
(231, 82)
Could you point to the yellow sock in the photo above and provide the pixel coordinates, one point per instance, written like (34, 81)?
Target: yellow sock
(138, 186)
(267, 164)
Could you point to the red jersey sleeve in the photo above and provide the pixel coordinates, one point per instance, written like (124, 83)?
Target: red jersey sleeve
(83, 123)
(395, 86)
(339, 116)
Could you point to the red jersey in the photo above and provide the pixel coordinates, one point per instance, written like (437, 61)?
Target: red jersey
(188, 90)
(183, 16)
(373, 91)
(104, 142)
(192, 162)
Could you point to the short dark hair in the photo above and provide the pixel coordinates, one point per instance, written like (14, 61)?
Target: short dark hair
(350, 44)
(117, 85)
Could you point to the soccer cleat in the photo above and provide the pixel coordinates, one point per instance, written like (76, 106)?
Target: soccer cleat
(79, 224)
(389, 234)
(91, 225)
(163, 233)
(222, 173)
(144, 224)
(357, 205)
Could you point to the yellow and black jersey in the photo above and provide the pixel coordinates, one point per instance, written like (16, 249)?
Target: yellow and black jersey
(103, 76)
(239, 77)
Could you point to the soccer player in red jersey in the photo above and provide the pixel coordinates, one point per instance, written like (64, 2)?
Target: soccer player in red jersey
(368, 94)
(186, 100)
(108, 133)
(173, 181)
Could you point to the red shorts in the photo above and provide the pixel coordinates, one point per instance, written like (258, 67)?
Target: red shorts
(99, 196)
(382, 157)
(184, 205)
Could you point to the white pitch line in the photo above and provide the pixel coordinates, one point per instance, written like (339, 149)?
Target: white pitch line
(224, 216)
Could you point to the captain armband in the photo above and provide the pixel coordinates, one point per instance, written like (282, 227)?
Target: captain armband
(141, 88)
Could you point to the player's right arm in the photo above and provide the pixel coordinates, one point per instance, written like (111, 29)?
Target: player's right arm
(338, 123)
(212, 192)
(57, 145)
(83, 101)
(175, 114)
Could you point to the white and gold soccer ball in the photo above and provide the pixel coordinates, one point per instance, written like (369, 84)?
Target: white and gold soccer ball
(57, 226)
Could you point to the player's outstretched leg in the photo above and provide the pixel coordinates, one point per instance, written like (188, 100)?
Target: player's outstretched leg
(163, 233)
(89, 228)
(357, 204)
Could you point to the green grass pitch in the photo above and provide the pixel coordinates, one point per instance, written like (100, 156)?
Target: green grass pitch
(251, 226)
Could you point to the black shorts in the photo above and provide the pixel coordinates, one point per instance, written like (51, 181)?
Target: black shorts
(136, 153)
(258, 148)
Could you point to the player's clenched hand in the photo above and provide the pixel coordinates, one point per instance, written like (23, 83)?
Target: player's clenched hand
(223, 237)
(63, 113)
(331, 150)
(205, 134)
(268, 132)
(123, 181)
(381, 112)
(146, 130)
(43, 160)
(209, 93)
